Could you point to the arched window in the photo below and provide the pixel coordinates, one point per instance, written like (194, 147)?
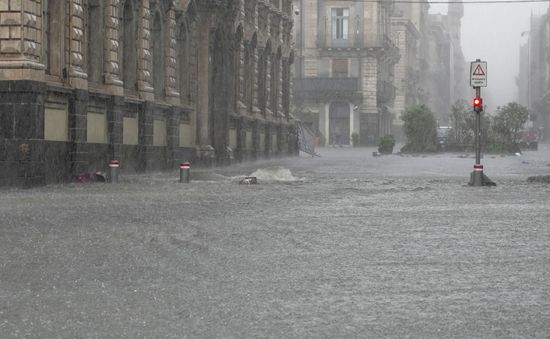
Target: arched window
(54, 40)
(95, 41)
(157, 54)
(129, 49)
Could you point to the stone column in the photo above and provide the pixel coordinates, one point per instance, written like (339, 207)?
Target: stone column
(146, 136)
(255, 75)
(115, 118)
(280, 86)
(351, 119)
(111, 55)
(144, 78)
(173, 123)
(77, 76)
(241, 87)
(203, 80)
(78, 116)
(171, 85)
(267, 84)
(324, 111)
(368, 109)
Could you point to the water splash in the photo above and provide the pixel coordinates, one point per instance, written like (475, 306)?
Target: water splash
(274, 174)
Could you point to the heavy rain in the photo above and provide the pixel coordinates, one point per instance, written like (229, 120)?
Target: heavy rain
(274, 169)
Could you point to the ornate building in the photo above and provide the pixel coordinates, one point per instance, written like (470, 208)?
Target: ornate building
(147, 82)
(344, 69)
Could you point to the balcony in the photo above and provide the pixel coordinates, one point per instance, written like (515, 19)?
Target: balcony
(327, 89)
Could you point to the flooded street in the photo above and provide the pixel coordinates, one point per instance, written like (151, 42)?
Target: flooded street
(345, 245)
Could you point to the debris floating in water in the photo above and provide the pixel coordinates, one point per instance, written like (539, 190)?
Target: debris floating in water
(249, 181)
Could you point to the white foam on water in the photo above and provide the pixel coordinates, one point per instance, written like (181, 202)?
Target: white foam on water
(274, 174)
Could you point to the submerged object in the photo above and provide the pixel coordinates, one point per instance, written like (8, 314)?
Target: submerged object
(249, 181)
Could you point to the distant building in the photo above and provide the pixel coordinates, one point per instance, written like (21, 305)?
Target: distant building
(147, 82)
(409, 23)
(431, 69)
(534, 74)
(344, 69)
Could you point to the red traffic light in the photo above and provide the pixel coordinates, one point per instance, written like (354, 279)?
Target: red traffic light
(478, 104)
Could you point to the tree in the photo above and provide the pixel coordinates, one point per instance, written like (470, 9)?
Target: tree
(462, 124)
(420, 128)
(508, 123)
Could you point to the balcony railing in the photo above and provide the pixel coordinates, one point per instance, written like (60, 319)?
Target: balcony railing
(327, 88)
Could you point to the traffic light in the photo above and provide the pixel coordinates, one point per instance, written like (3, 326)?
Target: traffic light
(478, 104)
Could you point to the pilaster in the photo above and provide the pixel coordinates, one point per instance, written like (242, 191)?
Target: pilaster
(145, 64)
(146, 136)
(115, 107)
(77, 76)
(111, 54)
(172, 93)
(203, 43)
(20, 40)
(173, 123)
(267, 76)
(78, 109)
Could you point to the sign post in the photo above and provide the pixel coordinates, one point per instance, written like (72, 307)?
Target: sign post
(478, 79)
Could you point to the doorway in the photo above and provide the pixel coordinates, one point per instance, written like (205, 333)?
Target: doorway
(339, 124)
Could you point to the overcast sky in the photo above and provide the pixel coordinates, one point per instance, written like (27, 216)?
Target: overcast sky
(492, 32)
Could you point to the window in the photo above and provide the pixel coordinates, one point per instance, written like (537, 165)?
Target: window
(95, 41)
(340, 68)
(340, 23)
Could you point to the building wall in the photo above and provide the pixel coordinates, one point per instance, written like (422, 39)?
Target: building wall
(367, 54)
(83, 82)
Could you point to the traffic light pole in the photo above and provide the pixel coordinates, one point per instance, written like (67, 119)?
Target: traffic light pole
(478, 79)
(477, 178)
(478, 130)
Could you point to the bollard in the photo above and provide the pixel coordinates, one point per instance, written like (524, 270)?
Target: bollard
(185, 172)
(113, 166)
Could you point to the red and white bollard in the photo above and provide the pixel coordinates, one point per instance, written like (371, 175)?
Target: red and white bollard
(185, 169)
(113, 167)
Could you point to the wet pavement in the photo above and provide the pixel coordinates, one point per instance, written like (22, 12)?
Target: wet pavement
(345, 245)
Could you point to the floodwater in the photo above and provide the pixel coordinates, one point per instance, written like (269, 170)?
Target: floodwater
(345, 245)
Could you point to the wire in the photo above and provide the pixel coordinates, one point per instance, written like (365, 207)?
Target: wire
(461, 2)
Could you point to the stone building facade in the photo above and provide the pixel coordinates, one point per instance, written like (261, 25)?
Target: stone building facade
(533, 80)
(344, 69)
(147, 82)
(409, 30)
(432, 69)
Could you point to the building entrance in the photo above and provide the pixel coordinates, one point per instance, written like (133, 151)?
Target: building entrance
(339, 124)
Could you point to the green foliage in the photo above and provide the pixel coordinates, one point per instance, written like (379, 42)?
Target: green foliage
(508, 123)
(420, 128)
(386, 144)
(462, 124)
